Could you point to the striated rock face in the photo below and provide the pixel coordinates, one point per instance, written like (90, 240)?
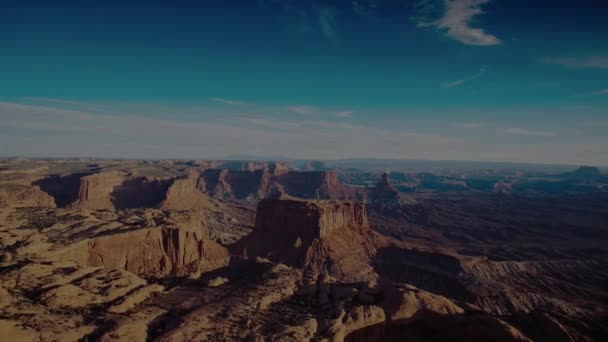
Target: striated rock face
(240, 184)
(183, 194)
(323, 236)
(64, 189)
(178, 245)
(141, 192)
(95, 190)
(24, 196)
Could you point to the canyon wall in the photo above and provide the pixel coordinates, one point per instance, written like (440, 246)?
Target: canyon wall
(329, 237)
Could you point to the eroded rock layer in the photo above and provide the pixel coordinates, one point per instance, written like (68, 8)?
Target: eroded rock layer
(176, 244)
(323, 236)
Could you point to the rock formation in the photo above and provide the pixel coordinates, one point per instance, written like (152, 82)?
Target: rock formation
(329, 237)
(176, 244)
(24, 196)
(314, 185)
(141, 192)
(258, 184)
(183, 194)
(384, 196)
(95, 190)
(240, 184)
(64, 189)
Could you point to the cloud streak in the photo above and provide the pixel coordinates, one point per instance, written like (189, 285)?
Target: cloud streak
(457, 83)
(456, 23)
(230, 102)
(46, 131)
(469, 125)
(304, 110)
(527, 132)
(591, 62)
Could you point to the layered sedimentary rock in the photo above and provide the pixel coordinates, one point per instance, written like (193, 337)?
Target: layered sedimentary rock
(315, 184)
(258, 184)
(64, 189)
(141, 192)
(95, 190)
(240, 184)
(329, 237)
(183, 194)
(177, 244)
(24, 196)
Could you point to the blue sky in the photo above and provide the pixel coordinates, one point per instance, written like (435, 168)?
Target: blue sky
(492, 80)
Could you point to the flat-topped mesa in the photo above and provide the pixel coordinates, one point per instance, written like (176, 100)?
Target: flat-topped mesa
(315, 219)
(95, 190)
(331, 237)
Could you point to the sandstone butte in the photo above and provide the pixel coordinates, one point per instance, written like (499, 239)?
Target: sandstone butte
(385, 195)
(324, 237)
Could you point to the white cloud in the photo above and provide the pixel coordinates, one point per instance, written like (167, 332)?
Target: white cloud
(343, 113)
(598, 62)
(456, 22)
(42, 131)
(468, 125)
(47, 131)
(303, 110)
(462, 81)
(527, 132)
(230, 102)
(327, 21)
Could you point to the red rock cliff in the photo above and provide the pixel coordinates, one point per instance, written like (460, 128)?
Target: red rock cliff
(324, 236)
(177, 244)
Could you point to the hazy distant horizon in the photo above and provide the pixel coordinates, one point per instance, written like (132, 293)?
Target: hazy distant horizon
(341, 160)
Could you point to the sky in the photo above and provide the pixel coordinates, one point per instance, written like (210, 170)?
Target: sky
(486, 80)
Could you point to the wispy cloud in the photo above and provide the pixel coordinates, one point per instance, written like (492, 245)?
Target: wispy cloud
(597, 62)
(42, 130)
(602, 92)
(304, 110)
(594, 124)
(462, 81)
(343, 113)
(326, 16)
(230, 102)
(527, 132)
(456, 22)
(468, 125)
(51, 100)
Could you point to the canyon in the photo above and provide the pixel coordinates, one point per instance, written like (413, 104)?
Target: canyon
(246, 250)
